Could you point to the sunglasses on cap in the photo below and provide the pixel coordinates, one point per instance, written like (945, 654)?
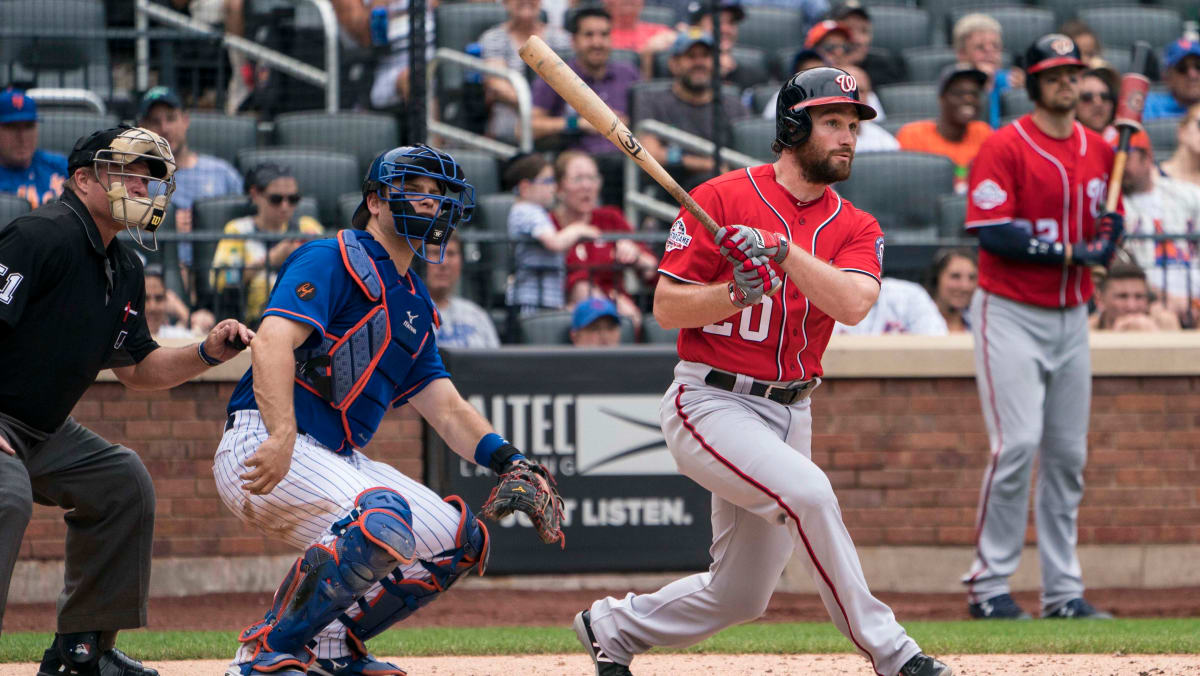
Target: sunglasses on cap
(278, 199)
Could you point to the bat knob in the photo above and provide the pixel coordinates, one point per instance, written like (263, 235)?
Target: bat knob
(237, 343)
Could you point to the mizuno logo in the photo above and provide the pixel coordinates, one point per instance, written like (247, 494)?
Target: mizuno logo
(408, 323)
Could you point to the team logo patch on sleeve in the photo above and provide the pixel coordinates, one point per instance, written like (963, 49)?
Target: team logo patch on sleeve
(988, 195)
(306, 290)
(678, 239)
(879, 250)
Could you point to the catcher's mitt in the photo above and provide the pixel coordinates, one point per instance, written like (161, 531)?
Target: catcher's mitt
(526, 486)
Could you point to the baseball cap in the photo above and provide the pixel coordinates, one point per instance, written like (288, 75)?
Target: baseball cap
(591, 309)
(847, 8)
(156, 95)
(823, 28)
(698, 8)
(1179, 49)
(1140, 139)
(957, 70)
(15, 106)
(690, 38)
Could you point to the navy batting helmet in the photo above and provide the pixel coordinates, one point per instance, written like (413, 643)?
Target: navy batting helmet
(389, 178)
(1048, 51)
(813, 87)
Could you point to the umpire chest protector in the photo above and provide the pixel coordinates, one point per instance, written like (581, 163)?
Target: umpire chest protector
(359, 372)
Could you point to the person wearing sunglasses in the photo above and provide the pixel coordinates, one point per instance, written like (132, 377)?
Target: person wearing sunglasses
(243, 270)
(1182, 76)
(833, 41)
(1097, 99)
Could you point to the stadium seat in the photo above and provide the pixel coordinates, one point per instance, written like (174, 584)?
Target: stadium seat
(1121, 26)
(1068, 9)
(772, 29)
(655, 334)
(1021, 24)
(658, 14)
(1189, 10)
(347, 203)
(491, 214)
(952, 211)
(898, 28)
(1119, 58)
(460, 23)
(763, 94)
(924, 64)
(899, 188)
(54, 60)
(12, 206)
(481, 169)
(220, 134)
(1015, 102)
(753, 137)
(915, 99)
(1164, 136)
(363, 135)
(323, 174)
(554, 328)
(58, 130)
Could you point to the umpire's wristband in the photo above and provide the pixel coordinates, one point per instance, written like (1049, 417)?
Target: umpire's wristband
(206, 357)
(495, 452)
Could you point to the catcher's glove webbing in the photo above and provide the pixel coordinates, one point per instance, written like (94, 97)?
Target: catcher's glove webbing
(526, 486)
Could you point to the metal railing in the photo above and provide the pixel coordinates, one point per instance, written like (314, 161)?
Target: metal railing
(326, 79)
(471, 139)
(636, 202)
(67, 96)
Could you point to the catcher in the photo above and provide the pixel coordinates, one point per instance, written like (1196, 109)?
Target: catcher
(347, 334)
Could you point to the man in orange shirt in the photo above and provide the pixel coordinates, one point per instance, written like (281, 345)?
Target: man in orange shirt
(956, 133)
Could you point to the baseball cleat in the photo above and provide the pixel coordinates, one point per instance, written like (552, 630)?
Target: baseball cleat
(605, 666)
(924, 665)
(111, 663)
(367, 665)
(1076, 609)
(1001, 607)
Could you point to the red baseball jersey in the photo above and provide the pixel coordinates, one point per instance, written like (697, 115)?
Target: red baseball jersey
(1054, 189)
(596, 260)
(783, 337)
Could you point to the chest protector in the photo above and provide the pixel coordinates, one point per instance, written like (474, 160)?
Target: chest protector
(357, 372)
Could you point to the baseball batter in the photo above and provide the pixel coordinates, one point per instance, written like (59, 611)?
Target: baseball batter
(347, 334)
(738, 417)
(1037, 192)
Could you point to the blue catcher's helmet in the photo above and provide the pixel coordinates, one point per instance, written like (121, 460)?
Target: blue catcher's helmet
(388, 178)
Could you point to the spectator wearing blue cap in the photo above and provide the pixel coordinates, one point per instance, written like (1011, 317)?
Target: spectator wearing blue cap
(25, 171)
(1182, 59)
(595, 323)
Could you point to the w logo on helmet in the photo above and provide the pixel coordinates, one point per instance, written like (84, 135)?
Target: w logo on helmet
(847, 82)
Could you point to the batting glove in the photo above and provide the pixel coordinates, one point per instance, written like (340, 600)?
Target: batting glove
(1111, 227)
(751, 280)
(1099, 251)
(741, 242)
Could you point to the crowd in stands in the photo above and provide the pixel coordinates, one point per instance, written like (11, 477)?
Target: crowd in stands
(651, 62)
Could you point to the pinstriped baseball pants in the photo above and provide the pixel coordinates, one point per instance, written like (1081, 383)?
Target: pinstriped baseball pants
(319, 489)
(770, 501)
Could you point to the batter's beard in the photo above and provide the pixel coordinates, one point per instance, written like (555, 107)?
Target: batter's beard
(818, 168)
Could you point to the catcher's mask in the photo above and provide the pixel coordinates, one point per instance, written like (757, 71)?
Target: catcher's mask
(137, 200)
(389, 178)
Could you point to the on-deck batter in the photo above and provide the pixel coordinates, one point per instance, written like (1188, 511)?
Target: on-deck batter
(738, 418)
(1037, 190)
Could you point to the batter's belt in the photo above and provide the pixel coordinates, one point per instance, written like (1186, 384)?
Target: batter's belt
(782, 394)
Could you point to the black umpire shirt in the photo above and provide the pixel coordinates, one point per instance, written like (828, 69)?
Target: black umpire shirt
(68, 309)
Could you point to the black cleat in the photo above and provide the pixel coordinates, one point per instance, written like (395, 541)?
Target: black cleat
(924, 665)
(1001, 607)
(605, 666)
(1076, 609)
(111, 663)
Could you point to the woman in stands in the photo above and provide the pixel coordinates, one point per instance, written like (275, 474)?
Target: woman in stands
(952, 280)
(245, 268)
(595, 267)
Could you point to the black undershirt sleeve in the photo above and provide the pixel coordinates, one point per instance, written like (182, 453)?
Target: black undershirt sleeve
(1009, 241)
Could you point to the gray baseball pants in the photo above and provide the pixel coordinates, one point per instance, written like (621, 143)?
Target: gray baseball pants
(109, 499)
(770, 501)
(1034, 372)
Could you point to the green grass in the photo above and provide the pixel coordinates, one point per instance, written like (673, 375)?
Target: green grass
(1179, 636)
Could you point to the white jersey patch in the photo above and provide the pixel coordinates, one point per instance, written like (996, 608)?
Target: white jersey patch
(678, 239)
(988, 195)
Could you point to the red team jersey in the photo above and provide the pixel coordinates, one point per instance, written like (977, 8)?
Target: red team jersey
(783, 337)
(1054, 189)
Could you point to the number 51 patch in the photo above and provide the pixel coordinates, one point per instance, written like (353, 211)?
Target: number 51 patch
(11, 282)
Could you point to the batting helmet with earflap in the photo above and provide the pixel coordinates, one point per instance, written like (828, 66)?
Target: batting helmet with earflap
(1049, 51)
(813, 87)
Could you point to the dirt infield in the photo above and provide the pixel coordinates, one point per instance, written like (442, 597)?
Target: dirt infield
(746, 665)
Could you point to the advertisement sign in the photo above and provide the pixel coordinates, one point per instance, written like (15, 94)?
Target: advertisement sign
(592, 417)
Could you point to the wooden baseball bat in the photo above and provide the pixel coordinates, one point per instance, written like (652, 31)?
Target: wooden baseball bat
(578, 95)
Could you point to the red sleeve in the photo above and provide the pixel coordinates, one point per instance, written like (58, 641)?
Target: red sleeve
(691, 255)
(991, 194)
(862, 250)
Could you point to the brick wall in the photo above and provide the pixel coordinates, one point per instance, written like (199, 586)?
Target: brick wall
(906, 457)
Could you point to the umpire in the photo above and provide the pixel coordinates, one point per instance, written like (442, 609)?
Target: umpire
(72, 297)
